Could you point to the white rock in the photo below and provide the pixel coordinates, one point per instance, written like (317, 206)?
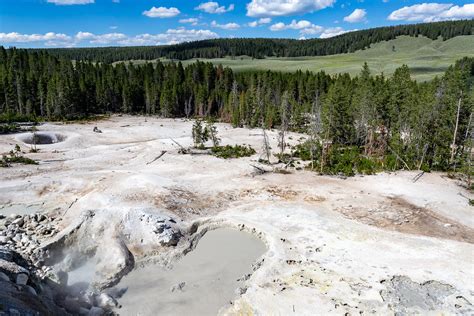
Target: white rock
(106, 301)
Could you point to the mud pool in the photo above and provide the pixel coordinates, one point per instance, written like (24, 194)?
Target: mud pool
(201, 283)
(380, 244)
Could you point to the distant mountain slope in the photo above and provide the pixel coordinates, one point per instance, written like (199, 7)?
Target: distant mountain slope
(426, 58)
(266, 47)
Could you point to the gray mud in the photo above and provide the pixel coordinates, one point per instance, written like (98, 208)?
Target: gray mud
(201, 283)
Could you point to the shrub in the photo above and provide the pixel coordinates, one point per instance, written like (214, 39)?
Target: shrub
(236, 151)
(200, 134)
(9, 128)
(350, 161)
(303, 151)
(12, 118)
(16, 157)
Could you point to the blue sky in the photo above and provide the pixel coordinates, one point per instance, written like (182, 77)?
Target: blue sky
(77, 23)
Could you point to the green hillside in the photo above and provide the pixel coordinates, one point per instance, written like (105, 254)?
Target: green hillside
(425, 57)
(269, 47)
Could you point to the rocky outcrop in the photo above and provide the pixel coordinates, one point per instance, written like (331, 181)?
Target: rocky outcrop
(406, 297)
(37, 259)
(24, 234)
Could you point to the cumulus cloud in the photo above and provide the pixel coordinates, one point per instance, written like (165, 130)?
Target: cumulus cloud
(70, 2)
(161, 12)
(305, 27)
(15, 37)
(430, 12)
(227, 26)
(334, 31)
(312, 30)
(358, 15)
(214, 8)
(260, 21)
(267, 8)
(293, 25)
(192, 21)
(171, 36)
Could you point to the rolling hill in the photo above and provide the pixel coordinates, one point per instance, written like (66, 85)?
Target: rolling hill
(426, 58)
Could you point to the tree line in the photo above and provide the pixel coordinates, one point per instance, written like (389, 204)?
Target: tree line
(375, 121)
(266, 47)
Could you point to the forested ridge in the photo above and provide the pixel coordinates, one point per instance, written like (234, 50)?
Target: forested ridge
(266, 47)
(363, 123)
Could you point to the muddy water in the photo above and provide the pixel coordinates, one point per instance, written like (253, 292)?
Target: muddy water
(209, 273)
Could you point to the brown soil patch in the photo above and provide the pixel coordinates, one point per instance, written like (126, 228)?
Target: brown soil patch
(402, 216)
(280, 192)
(314, 198)
(187, 204)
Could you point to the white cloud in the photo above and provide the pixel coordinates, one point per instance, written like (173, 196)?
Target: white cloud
(308, 28)
(171, 36)
(430, 12)
(214, 8)
(312, 30)
(359, 15)
(15, 37)
(260, 21)
(70, 2)
(227, 26)
(266, 8)
(305, 27)
(81, 36)
(334, 31)
(457, 12)
(192, 21)
(161, 12)
(293, 25)
(109, 38)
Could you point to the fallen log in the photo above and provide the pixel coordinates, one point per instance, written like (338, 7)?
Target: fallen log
(259, 170)
(157, 157)
(182, 149)
(418, 176)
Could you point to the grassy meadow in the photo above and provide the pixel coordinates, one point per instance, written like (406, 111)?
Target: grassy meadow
(425, 57)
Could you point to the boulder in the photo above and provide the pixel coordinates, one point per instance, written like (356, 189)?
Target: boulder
(106, 301)
(71, 305)
(4, 277)
(4, 239)
(21, 278)
(30, 290)
(96, 311)
(19, 221)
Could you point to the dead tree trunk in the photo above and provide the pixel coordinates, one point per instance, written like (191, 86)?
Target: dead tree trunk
(453, 146)
(284, 123)
(266, 145)
(315, 127)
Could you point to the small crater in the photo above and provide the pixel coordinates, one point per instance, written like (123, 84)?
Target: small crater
(42, 138)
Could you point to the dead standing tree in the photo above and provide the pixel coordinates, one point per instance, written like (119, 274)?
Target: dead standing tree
(266, 145)
(284, 123)
(315, 127)
(453, 145)
(188, 107)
